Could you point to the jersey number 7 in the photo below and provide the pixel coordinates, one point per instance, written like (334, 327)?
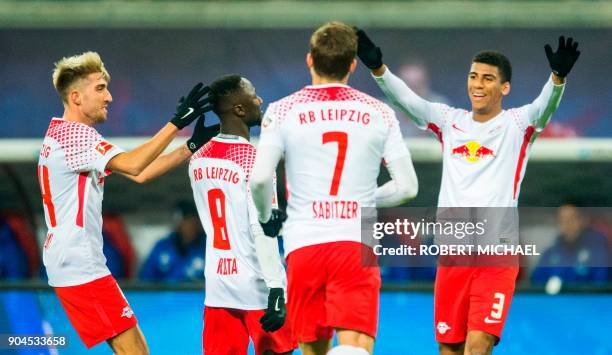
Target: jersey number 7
(342, 139)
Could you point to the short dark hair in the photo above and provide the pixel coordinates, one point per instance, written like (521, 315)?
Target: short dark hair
(498, 60)
(333, 47)
(222, 88)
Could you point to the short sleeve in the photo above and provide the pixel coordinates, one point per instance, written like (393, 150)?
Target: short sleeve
(85, 149)
(102, 153)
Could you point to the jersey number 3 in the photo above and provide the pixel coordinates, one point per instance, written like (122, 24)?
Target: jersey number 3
(216, 206)
(342, 139)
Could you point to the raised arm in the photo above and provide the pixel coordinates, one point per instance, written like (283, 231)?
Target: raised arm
(395, 89)
(161, 165)
(135, 161)
(561, 62)
(418, 109)
(541, 109)
(167, 162)
(189, 108)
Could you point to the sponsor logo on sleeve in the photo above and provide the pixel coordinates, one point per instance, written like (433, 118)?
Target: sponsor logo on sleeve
(267, 122)
(103, 147)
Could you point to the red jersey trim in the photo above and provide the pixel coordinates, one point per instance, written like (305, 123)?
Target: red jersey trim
(45, 191)
(519, 166)
(286, 188)
(81, 195)
(436, 130)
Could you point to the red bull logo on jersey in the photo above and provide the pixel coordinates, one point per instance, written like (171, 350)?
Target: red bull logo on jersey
(472, 151)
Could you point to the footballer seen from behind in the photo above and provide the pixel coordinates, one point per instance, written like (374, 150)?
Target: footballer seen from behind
(245, 278)
(333, 138)
(73, 164)
(485, 153)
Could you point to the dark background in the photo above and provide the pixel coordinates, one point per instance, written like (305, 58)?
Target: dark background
(152, 68)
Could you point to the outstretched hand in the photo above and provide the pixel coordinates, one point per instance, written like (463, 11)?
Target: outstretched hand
(367, 51)
(192, 106)
(562, 61)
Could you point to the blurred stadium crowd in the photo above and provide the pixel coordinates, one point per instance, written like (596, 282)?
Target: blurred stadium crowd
(144, 89)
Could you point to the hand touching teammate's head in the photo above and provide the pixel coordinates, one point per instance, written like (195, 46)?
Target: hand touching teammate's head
(333, 47)
(82, 83)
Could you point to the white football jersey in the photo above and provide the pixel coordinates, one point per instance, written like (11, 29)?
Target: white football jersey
(71, 172)
(483, 163)
(219, 174)
(333, 138)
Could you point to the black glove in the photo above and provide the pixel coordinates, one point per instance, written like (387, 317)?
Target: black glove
(201, 135)
(273, 226)
(275, 315)
(192, 106)
(367, 51)
(562, 61)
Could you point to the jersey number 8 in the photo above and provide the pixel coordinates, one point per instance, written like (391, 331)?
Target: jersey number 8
(216, 206)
